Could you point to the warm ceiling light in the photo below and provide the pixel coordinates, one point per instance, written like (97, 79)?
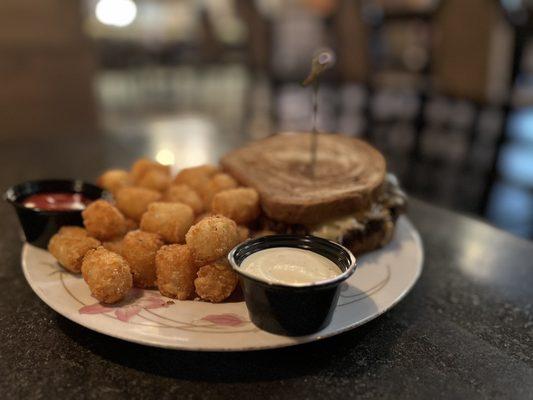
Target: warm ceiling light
(116, 12)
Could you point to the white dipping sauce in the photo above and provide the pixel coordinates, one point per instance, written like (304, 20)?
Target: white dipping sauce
(289, 266)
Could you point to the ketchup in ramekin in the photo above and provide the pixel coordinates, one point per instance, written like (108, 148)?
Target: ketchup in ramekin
(45, 206)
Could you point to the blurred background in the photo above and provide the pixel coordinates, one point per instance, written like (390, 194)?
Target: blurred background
(443, 87)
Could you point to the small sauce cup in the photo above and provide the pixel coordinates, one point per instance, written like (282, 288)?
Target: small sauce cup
(40, 225)
(286, 309)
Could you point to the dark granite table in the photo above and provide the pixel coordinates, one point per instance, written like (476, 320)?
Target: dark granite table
(465, 330)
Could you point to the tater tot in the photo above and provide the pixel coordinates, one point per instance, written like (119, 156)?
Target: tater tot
(69, 249)
(103, 220)
(202, 216)
(131, 225)
(114, 179)
(215, 282)
(139, 249)
(212, 238)
(170, 220)
(133, 201)
(244, 233)
(175, 271)
(154, 179)
(73, 231)
(216, 184)
(107, 274)
(196, 177)
(186, 195)
(240, 205)
(114, 245)
(143, 165)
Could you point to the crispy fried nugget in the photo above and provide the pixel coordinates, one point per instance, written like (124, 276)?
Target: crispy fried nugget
(103, 220)
(73, 231)
(139, 249)
(175, 271)
(244, 233)
(196, 177)
(185, 194)
(170, 220)
(240, 205)
(69, 249)
(134, 201)
(131, 225)
(107, 274)
(211, 238)
(143, 165)
(216, 184)
(114, 245)
(114, 179)
(215, 282)
(155, 179)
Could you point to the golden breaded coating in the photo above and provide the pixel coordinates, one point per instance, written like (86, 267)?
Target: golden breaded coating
(73, 231)
(216, 184)
(114, 179)
(114, 245)
(196, 177)
(240, 205)
(143, 165)
(69, 250)
(155, 179)
(107, 274)
(133, 201)
(175, 271)
(215, 282)
(139, 249)
(103, 220)
(263, 232)
(200, 217)
(244, 233)
(212, 238)
(186, 195)
(170, 220)
(131, 225)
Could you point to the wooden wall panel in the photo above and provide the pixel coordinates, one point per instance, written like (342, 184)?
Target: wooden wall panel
(46, 69)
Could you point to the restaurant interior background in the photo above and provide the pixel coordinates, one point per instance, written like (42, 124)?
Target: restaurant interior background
(443, 87)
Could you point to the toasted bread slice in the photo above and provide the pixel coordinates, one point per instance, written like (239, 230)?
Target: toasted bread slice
(347, 176)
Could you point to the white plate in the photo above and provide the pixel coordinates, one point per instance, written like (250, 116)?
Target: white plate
(381, 279)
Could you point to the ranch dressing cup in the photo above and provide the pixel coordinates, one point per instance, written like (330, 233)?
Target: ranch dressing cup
(291, 283)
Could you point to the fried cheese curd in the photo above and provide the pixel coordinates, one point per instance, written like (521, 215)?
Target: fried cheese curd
(240, 205)
(73, 231)
(216, 184)
(185, 194)
(244, 233)
(176, 271)
(133, 201)
(114, 245)
(69, 245)
(215, 282)
(107, 274)
(139, 249)
(170, 220)
(103, 220)
(212, 238)
(114, 179)
(143, 165)
(196, 177)
(155, 179)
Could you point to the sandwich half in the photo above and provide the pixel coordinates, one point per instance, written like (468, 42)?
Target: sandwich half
(348, 197)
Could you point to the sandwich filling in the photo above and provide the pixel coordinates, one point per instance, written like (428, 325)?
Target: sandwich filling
(364, 230)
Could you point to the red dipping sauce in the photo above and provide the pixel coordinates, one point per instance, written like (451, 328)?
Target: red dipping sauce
(56, 201)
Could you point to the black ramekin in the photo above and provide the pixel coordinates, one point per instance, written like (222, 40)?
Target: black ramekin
(40, 225)
(286, 309)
